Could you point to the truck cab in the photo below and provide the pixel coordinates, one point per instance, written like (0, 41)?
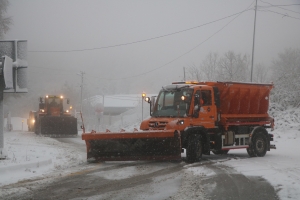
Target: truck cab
(191, 104)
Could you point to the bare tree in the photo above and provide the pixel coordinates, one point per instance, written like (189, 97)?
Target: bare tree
(233, 67)
(5, 22)
(210, 66)
(194, 73)
(260, 73)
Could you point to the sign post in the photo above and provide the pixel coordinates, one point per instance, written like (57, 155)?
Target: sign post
(13, 76)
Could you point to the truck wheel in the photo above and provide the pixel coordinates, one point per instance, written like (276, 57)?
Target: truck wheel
(194, 149)
(218, 152)
(259, 144)
(251, 152)
(37, 127)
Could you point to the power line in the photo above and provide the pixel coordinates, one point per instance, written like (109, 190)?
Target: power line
(283, 15)
(122, 98)
(296, 4)
(247, 9)
(279, 7)
(182, 55)
(135, 42)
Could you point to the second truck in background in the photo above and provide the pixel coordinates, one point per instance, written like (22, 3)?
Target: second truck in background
(52, 119)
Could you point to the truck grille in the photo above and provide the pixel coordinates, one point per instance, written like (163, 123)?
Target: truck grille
(157, 125)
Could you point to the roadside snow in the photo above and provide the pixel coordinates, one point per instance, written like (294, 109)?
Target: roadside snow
(281, 167)
(31, 156)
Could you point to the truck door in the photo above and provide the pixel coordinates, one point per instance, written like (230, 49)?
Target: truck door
(207, 114)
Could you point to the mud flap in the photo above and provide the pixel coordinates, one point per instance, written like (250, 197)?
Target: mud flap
(58, 126)
(146, 145)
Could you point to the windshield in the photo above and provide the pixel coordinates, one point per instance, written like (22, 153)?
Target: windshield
(53, 101)
(170, 104)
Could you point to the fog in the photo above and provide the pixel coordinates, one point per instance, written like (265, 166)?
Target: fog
(134, 46)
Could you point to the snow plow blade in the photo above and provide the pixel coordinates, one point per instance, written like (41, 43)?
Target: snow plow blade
(137, 145)
(53, 126)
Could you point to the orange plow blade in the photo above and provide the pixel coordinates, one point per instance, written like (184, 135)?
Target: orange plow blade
(137, 145)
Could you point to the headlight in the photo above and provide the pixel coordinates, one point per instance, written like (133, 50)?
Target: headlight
(180, 122)
(67, 111)
(147, 99)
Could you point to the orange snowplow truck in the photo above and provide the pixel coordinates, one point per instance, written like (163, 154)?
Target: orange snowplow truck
(200, 117)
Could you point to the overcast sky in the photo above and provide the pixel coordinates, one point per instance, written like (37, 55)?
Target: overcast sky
(69, 29)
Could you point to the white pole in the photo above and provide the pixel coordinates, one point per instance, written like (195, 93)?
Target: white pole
(81, 91)
(142, 108)
(253, 42)
(3, 153)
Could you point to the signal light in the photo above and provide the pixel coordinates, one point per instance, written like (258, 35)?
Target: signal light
(143, 95)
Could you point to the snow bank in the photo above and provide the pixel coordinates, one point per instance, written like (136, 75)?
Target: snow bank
(281, 167)
(31, 156)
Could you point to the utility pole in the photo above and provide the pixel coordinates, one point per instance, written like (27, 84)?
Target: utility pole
(3, 153)
(253, 41)
(183, 73)
(81, 89)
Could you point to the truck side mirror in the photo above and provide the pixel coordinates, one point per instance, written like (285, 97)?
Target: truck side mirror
(41, 99)
(196, 104)
(68, 101)
(152, 104)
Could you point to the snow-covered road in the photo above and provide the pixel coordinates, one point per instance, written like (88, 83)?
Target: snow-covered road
(36, 162)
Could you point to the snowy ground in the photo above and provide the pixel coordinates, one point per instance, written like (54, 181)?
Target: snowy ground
(31, 157)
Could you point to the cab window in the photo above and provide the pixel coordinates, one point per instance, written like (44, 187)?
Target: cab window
(206, 97)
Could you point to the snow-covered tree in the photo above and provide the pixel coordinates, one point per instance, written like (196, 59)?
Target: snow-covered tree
(5, 22)
(229, 67)
(286, 77)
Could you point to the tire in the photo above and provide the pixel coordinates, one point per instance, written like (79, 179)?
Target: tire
(259, 144)
(220, 152)
(251, 152)
(38, 127)
(194, 149)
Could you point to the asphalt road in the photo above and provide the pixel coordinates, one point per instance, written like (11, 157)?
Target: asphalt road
(148, 180)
